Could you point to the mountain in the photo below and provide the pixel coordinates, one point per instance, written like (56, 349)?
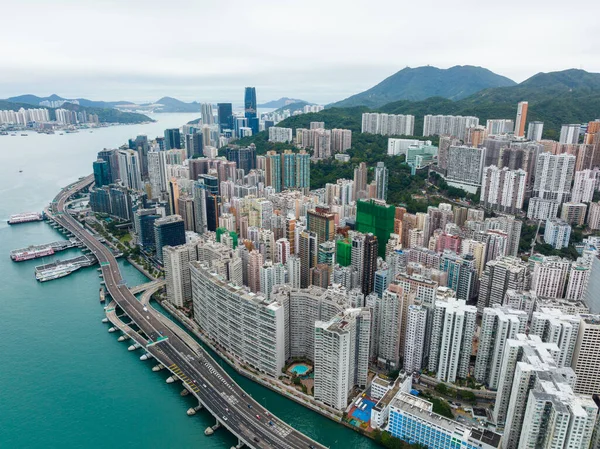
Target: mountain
(170, 104)
(283, 101)
(105, 115)
(35, 100)
(421, 83)
(555, 98)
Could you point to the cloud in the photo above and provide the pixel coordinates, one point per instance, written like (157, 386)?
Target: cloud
(320, 51)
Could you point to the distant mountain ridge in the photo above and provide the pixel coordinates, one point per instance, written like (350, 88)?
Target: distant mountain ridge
(420, 83)
(171, 104)
(35, 100)
(105, 114)
(282, 102)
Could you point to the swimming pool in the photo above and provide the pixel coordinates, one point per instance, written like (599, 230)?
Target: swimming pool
(299, 369)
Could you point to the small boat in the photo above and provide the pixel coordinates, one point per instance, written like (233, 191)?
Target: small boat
(23, 134)
(20, 171)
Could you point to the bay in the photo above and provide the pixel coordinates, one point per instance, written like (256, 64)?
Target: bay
(65, 382)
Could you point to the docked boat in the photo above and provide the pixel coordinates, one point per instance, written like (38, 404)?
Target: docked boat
(25, 218)
(55, 273)
(31, 253)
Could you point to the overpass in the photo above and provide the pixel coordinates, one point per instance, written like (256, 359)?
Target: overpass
(244, 417)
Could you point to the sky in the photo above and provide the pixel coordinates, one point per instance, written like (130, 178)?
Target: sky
(319, 51)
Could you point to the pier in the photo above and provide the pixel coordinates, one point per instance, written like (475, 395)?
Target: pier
(205, 379)
(48, 249)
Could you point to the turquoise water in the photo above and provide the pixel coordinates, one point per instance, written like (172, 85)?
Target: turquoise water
(65, 382)
(299, 369)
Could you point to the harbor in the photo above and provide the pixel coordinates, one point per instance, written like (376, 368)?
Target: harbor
(37, 251)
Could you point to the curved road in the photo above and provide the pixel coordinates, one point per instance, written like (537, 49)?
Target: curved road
(216, 391)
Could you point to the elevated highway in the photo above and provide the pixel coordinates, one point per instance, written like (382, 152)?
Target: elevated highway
(244, 417)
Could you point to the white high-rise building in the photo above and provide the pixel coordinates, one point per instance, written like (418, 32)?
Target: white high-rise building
(270, 276)
(465, 167)
(389, 318)
(500, 275)
(535, 131)
(206, 110)
(341, 356)
(586, 358)
(452, 339)
(553, 326)
(569, 134)
(593, 220)
(293, 269)
(553, 176)
(416, 326)
(579, 276)
(499, 126)
(157, 172)
(177, 260)
(584, 186)
(524, 358)
(557, 233)
(388, 124)
(228, 314)
(503, 189)
(277, 134)
(498, 324)
(448, 125)
(341, 140)
(549, 275)
(556, 417)
(381, 180)
(129, 169)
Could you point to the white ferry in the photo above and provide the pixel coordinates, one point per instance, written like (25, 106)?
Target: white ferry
(25, 218)
(55, 273)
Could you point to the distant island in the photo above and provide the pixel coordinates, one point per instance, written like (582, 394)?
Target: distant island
(281, 103)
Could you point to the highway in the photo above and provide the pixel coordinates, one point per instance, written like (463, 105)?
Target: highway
(216, 391)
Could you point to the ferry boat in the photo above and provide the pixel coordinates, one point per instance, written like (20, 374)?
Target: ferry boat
(31, 253)
(25, 218)
(55, 273)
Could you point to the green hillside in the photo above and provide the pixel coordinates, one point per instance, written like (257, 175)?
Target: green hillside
(424, 82)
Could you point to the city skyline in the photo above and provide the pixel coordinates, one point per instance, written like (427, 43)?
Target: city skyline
(278, 58)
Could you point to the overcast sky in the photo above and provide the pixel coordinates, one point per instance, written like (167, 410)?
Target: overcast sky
(320, 51)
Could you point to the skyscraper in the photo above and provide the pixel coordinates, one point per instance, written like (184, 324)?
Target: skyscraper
(177, 272)
(101, 173)
(168, 231)
(586, 358)
(129, 169)
(360, 181)
(569, 134)
(254, 264)
(369, 263)
(250, 108)
(321, 222)
(206, 111)
(498, 324)
(535, 131)
(500, 275)
(452, 339)
(308, 252)
(521, 119)
(112, 157)
(416, 325)
(225, 115)
(381, 180)
(172, 139)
